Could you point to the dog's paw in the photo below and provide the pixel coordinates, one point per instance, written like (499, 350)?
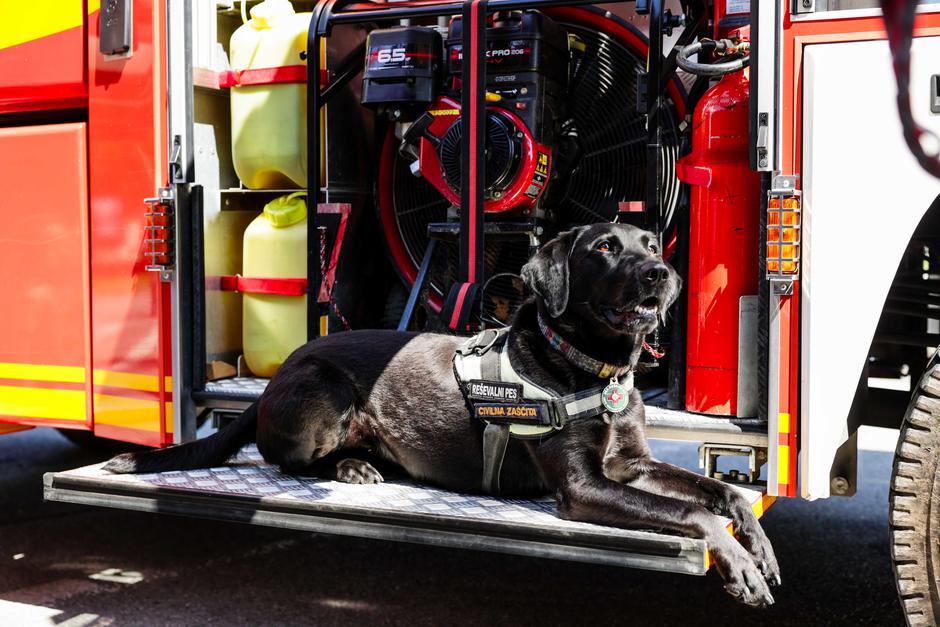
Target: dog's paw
(742, 578)
(766, 562)
(762, 552)
(357, 471)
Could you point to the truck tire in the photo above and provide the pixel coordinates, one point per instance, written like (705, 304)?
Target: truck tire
(914, 506)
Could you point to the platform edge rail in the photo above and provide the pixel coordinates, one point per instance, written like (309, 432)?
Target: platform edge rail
(678, 555)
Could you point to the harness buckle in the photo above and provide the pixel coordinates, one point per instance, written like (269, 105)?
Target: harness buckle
(480, 348)
(555, 415)
(479, 343)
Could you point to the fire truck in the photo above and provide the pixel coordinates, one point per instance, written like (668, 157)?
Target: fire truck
(143, 144)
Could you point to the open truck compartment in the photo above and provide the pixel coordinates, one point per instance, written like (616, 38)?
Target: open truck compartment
(401, 237)
(250, 491)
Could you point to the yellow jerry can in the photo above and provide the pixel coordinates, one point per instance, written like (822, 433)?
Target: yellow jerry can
(275, 247)
(269, 97)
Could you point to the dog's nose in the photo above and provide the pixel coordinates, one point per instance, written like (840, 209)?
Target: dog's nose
(656, 274)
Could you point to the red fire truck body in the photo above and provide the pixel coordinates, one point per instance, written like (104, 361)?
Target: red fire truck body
(87, 331)
(102, 148)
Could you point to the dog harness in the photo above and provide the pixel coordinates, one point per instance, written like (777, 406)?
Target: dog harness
(512, 405)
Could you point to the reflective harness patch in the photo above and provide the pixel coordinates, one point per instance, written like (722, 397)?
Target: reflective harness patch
(512, 405)
(494, 391)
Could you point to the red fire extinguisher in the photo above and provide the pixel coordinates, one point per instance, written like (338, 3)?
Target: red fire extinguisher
(724, 243)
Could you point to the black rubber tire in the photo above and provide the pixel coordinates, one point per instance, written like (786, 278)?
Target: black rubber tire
(914, 506)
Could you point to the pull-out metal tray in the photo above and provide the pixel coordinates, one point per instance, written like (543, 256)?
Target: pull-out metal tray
(248, 490)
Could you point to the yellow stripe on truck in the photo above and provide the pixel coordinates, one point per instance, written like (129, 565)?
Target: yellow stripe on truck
(783, 464)
(127, 380)
(42, 403)
(169, 417)
(39, 372)
(76, 374)
(132, 413)
(27, 20)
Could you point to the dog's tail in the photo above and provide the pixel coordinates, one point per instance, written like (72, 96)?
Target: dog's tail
(204, 453)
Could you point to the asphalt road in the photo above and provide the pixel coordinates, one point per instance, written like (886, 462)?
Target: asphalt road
(56, 561)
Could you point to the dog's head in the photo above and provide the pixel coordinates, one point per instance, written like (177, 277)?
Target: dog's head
(611, 275)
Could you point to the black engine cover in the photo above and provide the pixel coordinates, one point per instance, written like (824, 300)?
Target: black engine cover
(526, 65)
(402, 70)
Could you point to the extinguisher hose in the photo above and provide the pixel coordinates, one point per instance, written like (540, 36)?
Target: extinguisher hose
(721, 47)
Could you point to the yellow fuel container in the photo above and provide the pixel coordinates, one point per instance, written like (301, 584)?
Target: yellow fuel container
(275, 247)
(269, 98)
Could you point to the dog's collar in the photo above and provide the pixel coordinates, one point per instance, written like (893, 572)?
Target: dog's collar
(587, 363)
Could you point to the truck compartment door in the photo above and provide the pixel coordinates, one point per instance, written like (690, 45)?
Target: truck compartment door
(44, 284)
(127, 150)
(863, 196)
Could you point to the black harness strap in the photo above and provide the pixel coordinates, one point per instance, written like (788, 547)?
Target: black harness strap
(495, 440)
(489, 363)
(495, 436)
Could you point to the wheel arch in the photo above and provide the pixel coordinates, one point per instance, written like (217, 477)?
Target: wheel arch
(902, 339)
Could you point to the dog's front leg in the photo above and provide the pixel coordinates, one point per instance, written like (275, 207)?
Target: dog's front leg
(658, 477)
(597, 499)
(572, 465)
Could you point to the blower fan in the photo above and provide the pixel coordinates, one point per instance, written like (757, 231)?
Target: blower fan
(571, 120)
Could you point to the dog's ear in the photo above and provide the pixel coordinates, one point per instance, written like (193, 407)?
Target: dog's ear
(546, 273)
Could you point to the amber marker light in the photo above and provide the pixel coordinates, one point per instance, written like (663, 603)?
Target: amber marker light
(783, 237)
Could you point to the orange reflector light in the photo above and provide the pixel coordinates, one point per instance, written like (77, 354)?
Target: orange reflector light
(783, 236)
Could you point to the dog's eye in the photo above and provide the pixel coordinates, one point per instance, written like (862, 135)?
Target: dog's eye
(603, 247)
(653, 248)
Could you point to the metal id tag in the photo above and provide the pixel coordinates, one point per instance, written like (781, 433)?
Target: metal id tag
(615, 396)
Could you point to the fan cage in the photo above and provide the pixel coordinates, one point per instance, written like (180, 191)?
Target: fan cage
(612, 169)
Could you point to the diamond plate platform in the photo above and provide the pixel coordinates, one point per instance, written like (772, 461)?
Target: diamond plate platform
(232, 393)
(238, 387)
(248, 490)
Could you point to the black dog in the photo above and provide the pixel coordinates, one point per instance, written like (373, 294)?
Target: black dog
(394, 396)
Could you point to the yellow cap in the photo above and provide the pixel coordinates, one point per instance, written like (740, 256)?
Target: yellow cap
(286, 210)
(266, 13)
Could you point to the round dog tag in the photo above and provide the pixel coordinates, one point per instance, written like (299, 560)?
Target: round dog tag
(614, 397)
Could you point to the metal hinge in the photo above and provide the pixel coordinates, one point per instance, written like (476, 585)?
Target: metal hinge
(763, 140)
(160, 243)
